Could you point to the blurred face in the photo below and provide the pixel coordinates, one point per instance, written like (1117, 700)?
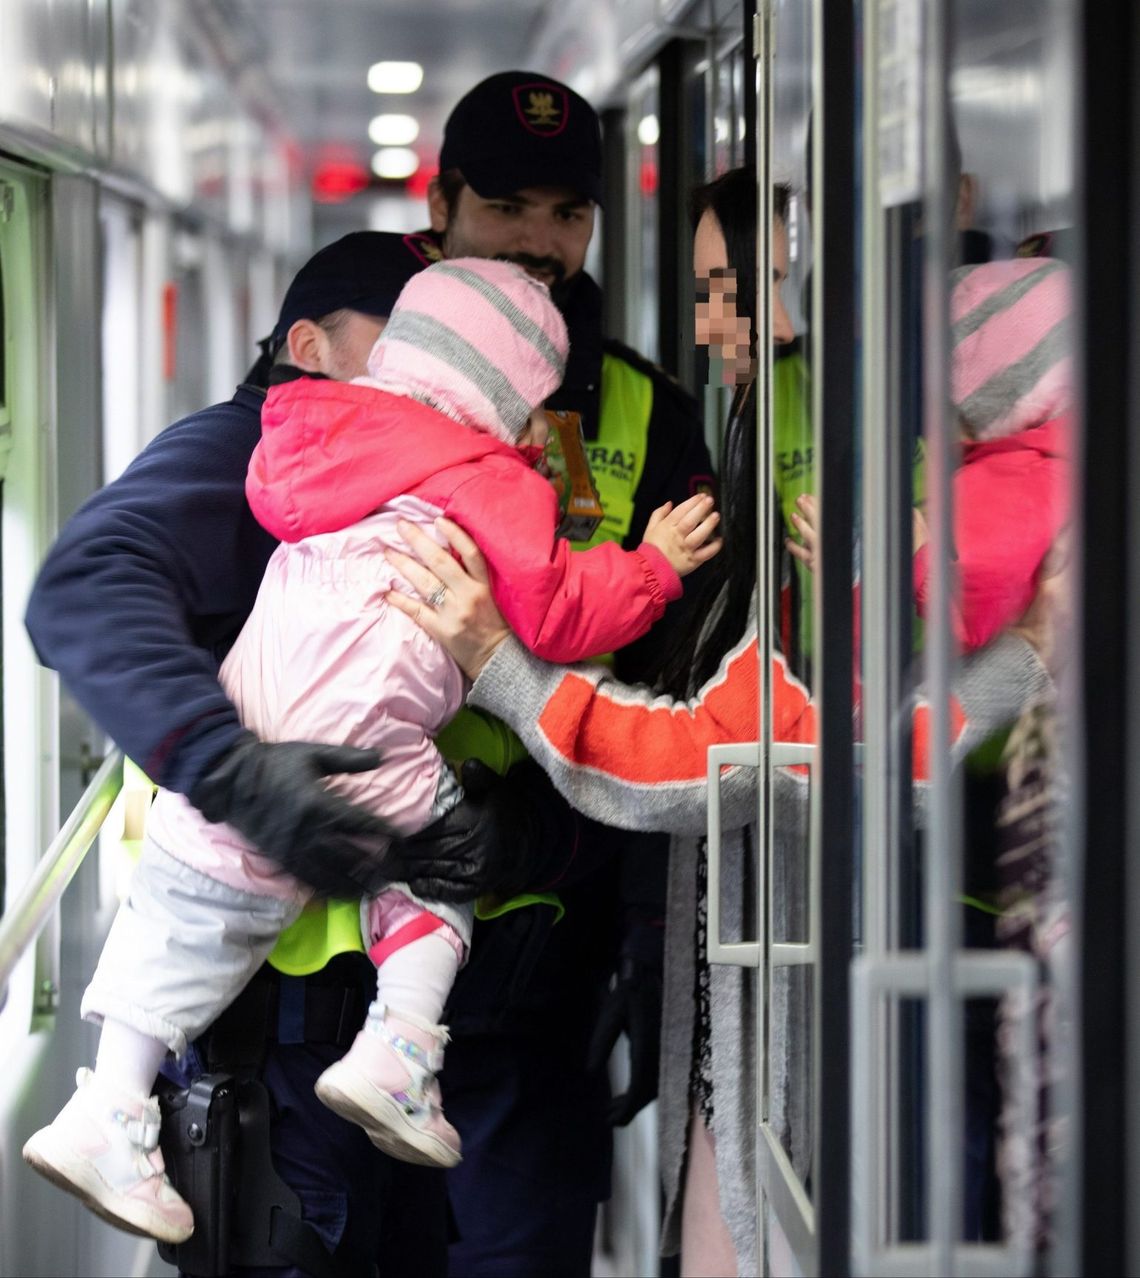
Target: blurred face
(350, 345)
(544, 229)
(339, 350)
(718, 324)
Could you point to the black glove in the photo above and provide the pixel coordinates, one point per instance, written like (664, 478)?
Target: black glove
(275, 794)
(508, 835)
(633, 1005)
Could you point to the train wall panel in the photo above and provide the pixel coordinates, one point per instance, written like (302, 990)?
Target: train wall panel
(26, 56)
(146, 90)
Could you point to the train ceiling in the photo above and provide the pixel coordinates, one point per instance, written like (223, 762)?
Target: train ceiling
(317, 55)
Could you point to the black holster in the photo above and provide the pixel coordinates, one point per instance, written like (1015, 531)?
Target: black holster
(216, 1138)
(199, 1145)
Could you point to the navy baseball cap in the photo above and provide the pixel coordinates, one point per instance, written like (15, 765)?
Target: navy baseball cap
(363, 271)
(519, 129)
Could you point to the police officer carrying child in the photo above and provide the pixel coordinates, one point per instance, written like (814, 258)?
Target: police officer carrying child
(136, 606)
(163, 566)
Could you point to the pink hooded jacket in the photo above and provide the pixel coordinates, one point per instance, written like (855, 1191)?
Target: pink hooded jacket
(323, 657)
(331, 453)
(1011, 381)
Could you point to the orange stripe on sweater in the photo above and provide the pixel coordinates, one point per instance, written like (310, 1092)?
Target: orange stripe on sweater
(668, 741)
(657, 742)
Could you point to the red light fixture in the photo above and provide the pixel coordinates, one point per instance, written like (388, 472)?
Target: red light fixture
(337, 180)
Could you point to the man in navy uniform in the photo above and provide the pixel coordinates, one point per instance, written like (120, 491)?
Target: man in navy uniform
(541, 1003)
(136, 606)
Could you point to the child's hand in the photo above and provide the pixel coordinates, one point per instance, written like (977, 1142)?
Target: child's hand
(684, 535)
(805, 519)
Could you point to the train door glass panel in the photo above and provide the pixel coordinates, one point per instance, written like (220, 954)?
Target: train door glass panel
(965, 896)
(786, 1104)
(728, 116)
(727, 125)
(643, 125)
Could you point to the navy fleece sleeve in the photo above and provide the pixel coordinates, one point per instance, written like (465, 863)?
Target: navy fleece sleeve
(146, 588)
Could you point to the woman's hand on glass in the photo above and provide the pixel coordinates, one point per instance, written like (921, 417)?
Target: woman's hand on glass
(684, 534)
(805, 520)
(453, 601)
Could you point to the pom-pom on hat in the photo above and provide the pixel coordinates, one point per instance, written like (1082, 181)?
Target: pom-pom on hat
(1012, 366)
(478, 339)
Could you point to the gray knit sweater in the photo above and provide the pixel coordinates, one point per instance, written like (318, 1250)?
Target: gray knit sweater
(554, 709)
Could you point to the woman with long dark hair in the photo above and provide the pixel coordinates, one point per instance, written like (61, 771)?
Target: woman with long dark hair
(636, 757)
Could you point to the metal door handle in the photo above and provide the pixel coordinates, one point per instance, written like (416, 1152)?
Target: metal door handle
(734, 953)
(976, 975)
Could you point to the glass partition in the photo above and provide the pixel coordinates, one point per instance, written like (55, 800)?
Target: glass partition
(969, 424)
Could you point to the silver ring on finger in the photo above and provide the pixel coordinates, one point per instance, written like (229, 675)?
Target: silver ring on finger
(437, 596)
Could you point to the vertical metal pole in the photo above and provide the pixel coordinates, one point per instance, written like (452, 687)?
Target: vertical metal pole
(762, 44)
(1066, 1103)
(833, 815)
(943, 841)
(876, 527)
(1107, 210)
(878, 844)
(672, 225)
(615, 239)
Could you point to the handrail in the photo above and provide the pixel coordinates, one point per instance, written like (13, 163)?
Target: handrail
(28, 914)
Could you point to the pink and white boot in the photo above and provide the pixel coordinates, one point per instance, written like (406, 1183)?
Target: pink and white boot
(386, 1083)
(103, 1148)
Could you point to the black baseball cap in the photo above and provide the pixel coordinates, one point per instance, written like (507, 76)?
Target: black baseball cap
(362, 271)
(519, 129)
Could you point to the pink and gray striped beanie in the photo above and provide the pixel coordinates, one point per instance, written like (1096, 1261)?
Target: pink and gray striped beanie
(1012, 367)
(477, 339)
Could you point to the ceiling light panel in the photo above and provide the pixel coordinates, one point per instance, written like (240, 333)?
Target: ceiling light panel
(394, 130)
(395, 77)
(395, 162)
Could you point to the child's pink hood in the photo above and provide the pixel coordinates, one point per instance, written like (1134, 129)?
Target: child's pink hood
(332, 453)
(315, 469)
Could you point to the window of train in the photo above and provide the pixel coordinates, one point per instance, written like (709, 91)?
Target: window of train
(4, 419)
(29, 731)
(643, 122)
(122, 353)
(969, 352)
(188, 367)
(728, 116)
(5, 432)
(726, 109)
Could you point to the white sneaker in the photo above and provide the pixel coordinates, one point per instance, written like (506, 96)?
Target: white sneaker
(103, 1148)
(386, 1084)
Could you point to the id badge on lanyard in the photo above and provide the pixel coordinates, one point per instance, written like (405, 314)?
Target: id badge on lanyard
(568, 469)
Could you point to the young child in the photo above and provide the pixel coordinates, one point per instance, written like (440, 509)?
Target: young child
(470, 351)
(1011, 381)
(1012, 386)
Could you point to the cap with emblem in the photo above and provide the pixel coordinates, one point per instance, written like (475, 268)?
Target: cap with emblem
(363, 271)
(478, 339)
(519, 129)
